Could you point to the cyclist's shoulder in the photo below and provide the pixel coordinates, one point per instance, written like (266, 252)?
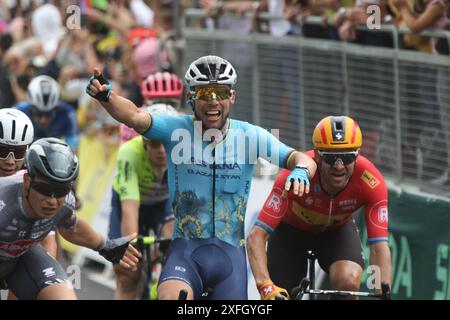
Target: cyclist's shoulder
(64, 108)
(10, 187)
(244, 125)
(364, 164)
(23, 106)
(186, 120)
(367, 175)
(132, 148)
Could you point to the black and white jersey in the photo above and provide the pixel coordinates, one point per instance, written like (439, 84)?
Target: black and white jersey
(19, 232)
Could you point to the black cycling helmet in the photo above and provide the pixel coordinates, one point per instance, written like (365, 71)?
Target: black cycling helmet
(53, 160)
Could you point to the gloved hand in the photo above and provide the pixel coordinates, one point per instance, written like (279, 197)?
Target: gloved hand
(299, 174)
(100, 95)
(298, 180)
(269, 291)
(113, 250)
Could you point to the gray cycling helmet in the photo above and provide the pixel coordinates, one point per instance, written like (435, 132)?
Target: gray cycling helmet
(210, 70)
(53, 160)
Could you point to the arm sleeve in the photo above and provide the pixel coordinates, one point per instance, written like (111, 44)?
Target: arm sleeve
(272, 149)
(376, 207)
(275, 206)
(162, 127)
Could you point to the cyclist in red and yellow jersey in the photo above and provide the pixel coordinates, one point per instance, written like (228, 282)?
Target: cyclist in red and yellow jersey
(322, 221)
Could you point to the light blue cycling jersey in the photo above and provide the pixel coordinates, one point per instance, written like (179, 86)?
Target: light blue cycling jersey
(204, 208)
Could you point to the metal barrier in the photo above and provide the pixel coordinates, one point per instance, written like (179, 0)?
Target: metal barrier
(398, 97)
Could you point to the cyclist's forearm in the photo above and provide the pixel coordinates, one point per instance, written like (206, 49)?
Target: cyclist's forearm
(298, 158)
(256, 250)
(83, 235)
(125, 111)
(380, 255)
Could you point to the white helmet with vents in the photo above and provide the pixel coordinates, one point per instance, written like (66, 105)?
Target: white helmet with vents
(210, 70)
(15, 127)
(44, 93)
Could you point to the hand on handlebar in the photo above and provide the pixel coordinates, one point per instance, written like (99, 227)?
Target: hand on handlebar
(269, 291)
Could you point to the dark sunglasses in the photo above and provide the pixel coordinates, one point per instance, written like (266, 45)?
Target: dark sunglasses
(18, 152)
(331, 157)
(211, 93)
(51, 190)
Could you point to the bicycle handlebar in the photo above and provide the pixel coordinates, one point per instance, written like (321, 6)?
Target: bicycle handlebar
(299, 291)
(149, 240)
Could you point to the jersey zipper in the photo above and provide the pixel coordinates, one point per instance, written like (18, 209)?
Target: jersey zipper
(329, 213)
(214, 194)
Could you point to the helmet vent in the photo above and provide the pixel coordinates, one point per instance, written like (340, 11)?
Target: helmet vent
(209, 70)
(73, 169)
(222, 68)
(24, 134)
(46, 164)
(1, 131)
(46, 98)
(13, 131)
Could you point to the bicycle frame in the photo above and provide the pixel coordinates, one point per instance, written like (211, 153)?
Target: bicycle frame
(309, 281)
(144, 243)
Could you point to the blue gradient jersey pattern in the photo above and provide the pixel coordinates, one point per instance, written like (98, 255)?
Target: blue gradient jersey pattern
(191, 173)
(63, 125)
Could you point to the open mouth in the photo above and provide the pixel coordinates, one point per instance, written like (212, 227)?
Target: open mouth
(213, 115)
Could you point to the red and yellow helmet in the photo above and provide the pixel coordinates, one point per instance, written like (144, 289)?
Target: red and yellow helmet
(337, 132)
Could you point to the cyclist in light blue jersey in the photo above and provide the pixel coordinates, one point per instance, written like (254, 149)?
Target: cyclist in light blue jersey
(211, 159)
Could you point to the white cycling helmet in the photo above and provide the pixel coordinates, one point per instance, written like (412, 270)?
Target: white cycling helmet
(210, 70)
(15, 127)
(44, 93)
(159, 109)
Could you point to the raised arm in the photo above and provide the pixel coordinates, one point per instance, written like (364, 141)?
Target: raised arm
(120, 108)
